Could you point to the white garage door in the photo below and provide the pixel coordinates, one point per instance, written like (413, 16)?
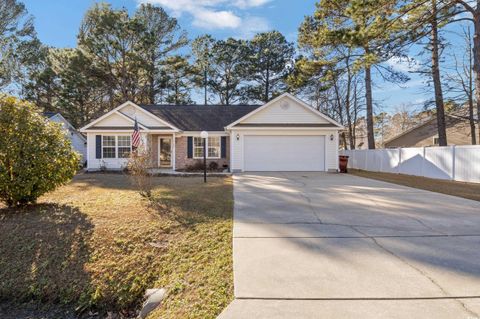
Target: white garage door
(284, 153)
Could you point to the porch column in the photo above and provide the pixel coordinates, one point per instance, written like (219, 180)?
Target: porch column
(144, 140)
(173, 155)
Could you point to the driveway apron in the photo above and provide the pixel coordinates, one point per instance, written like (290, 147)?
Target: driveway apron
(311, 245)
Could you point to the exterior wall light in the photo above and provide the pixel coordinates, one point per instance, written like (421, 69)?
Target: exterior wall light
(332, 137)
(238, 137)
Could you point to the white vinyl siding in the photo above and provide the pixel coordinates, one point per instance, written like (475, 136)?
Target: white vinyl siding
(142, 117)
(285, 111)
(114, 163)
(114, 119)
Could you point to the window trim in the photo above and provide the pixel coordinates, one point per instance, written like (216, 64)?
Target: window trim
(194, 147)
(116, 146)
(206, 147)
(219, 147)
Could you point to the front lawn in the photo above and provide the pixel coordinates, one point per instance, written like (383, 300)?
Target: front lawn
(96, 244)
(465, 190)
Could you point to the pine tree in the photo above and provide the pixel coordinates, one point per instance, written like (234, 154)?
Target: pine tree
(19, 46)
(202, 50)
(371, 28)
(227, 74)
(160, 35)
(179, 77)
(269, 54)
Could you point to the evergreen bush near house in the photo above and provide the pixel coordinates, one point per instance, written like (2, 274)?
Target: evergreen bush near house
(35, 154)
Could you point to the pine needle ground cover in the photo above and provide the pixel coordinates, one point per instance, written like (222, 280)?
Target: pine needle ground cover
(460, 189)
(96, 244)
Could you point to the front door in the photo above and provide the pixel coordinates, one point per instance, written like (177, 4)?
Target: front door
(165, 151)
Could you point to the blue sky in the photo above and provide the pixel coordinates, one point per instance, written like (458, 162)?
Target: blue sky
(57, 23)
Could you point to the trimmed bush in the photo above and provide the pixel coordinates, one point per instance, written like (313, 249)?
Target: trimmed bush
(35, 154)
(195, 166)
(213, 166)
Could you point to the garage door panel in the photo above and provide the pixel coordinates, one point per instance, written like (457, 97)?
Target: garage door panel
(284, 153)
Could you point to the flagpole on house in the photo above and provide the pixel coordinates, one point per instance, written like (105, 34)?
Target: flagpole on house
(135, 136)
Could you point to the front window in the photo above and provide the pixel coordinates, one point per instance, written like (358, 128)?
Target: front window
(124, 146)
(214, 147)
(108, 146)
(197, 147)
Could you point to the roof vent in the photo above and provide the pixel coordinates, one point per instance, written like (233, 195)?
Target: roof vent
(284, 105)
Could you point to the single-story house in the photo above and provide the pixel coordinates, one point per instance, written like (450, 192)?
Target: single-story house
(284, 134)
(79, 142)
(426, 133)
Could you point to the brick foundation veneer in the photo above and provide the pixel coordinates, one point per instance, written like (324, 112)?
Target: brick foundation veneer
(181, 155)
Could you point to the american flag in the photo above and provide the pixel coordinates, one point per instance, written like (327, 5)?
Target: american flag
(135, 136)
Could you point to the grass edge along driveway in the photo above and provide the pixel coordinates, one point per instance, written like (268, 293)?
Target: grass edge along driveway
(460, 189)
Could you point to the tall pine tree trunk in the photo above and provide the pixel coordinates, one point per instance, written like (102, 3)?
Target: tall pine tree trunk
(470, 92)
(437, 84)
(476, 62)
(267, 85)
(339, 103)
(205, 84)
(348, 107)
(369, 102)
(471, 119)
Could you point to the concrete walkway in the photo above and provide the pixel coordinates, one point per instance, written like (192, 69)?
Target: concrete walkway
(311, 245)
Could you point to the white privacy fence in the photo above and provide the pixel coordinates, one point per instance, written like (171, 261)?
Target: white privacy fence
(460, 163)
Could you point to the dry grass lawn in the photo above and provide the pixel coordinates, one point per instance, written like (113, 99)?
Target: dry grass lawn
(465, 190)
(97, 244)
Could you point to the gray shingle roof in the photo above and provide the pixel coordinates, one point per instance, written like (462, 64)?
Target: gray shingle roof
(200, 117)
(119, 128)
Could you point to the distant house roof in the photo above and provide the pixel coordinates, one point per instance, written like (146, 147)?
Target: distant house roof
(200, 117)
(451, 119)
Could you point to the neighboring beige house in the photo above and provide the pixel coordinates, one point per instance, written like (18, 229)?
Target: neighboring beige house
(79, 142)
(284, 134)
(426, 134)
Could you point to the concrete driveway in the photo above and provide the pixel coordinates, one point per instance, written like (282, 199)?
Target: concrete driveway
(315, 245)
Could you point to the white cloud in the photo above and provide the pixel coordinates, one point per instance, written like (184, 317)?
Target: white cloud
(251, 26)
(216, 14)
(250, 3)
(403, 64)
(208, 19)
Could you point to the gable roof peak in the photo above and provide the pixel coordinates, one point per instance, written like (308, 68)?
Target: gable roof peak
(295, 99)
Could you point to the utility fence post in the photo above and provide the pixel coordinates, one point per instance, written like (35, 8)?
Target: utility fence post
(399, 159)
(423, 161)
(453, 162)
(366, 159)
(381, 159)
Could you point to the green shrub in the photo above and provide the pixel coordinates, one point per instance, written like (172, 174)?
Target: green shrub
(35, 154)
